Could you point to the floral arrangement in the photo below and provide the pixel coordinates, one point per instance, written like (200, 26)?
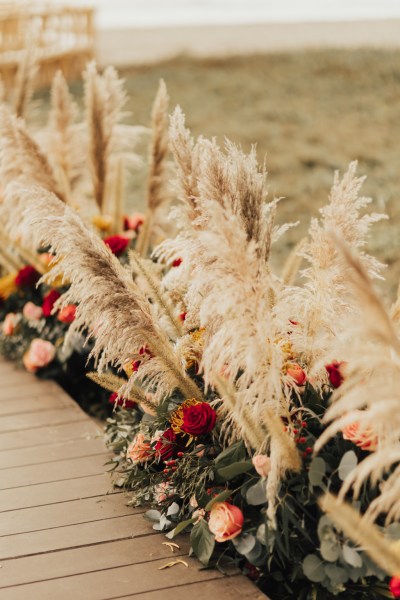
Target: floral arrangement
(257, 409)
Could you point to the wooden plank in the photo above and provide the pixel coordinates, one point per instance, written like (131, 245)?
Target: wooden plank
(228, 588)
(47, 435)
(38, 518)
(58, 491)
(85, 560)
(53, 471)
(41, 419)
(112, 582)
(11, 391)
(52, 452)
(33, 403)
(73, 536)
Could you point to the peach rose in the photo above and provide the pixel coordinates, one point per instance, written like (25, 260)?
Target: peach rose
(67, 314)
(40, 353)
(163, 491)
(9, 324)
(139, 450)
(363, 437)
(295, 372)
(32, 312)
(262, 464)
(226, 521)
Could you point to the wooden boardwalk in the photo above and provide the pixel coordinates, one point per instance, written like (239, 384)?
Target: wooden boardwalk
(64, 533)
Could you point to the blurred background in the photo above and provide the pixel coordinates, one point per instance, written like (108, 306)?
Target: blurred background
(314, 84)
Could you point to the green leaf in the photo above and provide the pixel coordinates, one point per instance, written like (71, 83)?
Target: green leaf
(202, 541)
(233, 470)
(317, 471)
(351, 556)
(313, 568)
(221, 497)
(347, 464)
(180, 527)
(256, 494)
(233, 454)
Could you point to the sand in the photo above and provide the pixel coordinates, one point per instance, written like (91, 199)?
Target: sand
(132, 46)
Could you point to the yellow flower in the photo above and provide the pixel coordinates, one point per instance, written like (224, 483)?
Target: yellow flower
(176, 418)
(102, 222)
(7, 285)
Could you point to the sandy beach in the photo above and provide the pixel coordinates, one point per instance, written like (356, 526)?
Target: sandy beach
(133, 46)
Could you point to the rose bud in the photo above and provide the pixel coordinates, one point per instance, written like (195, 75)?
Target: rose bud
(295, 372)
(198, 419)
(9, 324)
(49, 301)
(39, 355)
(363, 437)
(117, 244)
(32, 312)
(394, 587)
(133, 222)
(27, 277)
(139, 451)
(262, 464)
(335, 374)
(226, 521)
(67, 314)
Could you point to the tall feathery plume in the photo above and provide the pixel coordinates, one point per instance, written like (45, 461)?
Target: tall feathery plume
(156, 195)
(111, 382)
(370, 395)
(109, 303)
(104, 100)
(64, 139)
(321, 300)
(21, 158)
(24, 80)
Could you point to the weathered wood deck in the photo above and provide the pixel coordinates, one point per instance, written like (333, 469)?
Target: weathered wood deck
(64, 533)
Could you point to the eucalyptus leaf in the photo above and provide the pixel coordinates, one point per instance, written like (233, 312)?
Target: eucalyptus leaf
(336, 574)
(202, 541)
(313, 568)
(330, 550)
(261, 534)
(152, 515)
(179, 528)
(173, 509)
(351, 556)
(256, 494)
(256, 555)
(317, 471)
(244, 543)
(347, 464)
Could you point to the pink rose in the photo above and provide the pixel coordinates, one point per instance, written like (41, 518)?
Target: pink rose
(363, 437)
(67, 314)
(139, 451)
(32, 312)
(163, 491)
(226, 521)
(40, 353)
(262, 464)
(9, 324)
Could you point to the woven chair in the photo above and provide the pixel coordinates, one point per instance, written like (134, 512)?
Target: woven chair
(62, 37)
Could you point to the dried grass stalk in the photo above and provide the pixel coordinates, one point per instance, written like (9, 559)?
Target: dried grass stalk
(24, 80)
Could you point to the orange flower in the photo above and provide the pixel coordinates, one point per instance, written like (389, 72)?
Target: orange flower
(226, 521)
(296, 373)
(363, 437)
(139, 450)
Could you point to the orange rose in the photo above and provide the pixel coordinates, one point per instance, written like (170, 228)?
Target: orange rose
(363, 437)
(226, 521)
(139, 450)
(39, 355)
(296, 373)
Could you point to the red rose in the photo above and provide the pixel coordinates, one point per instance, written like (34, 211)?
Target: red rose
(27, 277)
(167, 445)
(335, 376)
(48, 302)
(394, 586)
(198, 419)
(117, 244)
(124, 402)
